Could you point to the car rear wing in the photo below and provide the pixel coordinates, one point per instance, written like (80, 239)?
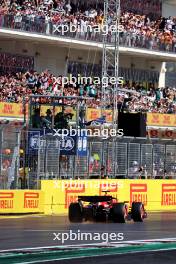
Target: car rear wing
(95, 199)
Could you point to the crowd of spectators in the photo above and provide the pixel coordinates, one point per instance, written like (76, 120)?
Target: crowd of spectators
(152, 8)
(15, 63)
(140, 31)
(153, 99)
(139, 27)
(14, 87)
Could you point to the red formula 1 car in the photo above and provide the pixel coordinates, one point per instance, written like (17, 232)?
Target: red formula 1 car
(105, 208)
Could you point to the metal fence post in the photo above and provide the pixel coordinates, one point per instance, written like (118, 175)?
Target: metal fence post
(88, 159)
(17, 159)
(38, 163)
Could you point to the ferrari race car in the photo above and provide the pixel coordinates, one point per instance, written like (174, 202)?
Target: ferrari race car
(105, 208)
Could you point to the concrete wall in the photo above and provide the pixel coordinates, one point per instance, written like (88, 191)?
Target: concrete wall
(169, 9)
(49, 56)
(54, 57)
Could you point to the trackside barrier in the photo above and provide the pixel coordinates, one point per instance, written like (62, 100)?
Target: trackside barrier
(157, 195)
(21, 201)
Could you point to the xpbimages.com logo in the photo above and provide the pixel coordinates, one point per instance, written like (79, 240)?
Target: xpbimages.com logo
(84, 80)
(103, 132)
(100, 29)
(87, 237)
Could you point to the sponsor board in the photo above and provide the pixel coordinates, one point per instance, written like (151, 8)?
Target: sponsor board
(93, 114)
(82, 145)
(56, 195)
(138, 193)
(157, 133)
(38, 140)
(71, 194)
(6, 200)
(157, 195)
(31, 200)
(168, 195)
(12, 110)
(161, 120)
(20, 201)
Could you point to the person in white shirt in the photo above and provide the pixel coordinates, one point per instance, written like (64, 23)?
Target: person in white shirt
(68, 8)
(134, 170)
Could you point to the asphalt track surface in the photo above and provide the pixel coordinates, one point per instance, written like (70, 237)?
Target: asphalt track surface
(37, 231)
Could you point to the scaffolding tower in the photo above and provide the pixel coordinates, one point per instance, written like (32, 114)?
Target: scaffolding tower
(110, 60)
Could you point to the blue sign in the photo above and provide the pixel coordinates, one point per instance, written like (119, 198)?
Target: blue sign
(68, 145)
(33, 140)
(82, 144)
(38, 139)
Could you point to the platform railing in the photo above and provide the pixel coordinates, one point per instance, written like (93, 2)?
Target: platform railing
(126, 39)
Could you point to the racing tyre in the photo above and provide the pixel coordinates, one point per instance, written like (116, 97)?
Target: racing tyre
(75, 213)
(137, 212)
(118, 213)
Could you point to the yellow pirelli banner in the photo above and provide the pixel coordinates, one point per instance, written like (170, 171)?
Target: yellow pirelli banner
(161, 120)
(12, 110)
(157, 195)
(93, 114)
(21, 201)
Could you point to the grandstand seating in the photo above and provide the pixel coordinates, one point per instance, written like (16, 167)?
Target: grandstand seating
(143, 27)
(14, 86)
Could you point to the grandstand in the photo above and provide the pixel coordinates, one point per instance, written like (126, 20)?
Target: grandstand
(38, 48)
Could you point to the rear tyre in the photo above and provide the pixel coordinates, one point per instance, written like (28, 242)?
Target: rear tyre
(75, 213)
(118, 213)
(137, 211)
